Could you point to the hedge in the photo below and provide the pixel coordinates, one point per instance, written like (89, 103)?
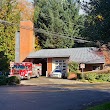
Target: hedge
(4, 80)
(13, 80)
(91, 76)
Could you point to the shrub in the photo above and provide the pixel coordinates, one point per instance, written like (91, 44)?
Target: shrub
(13, 80)
(6, 73)
(73, 67)
(91, 76)
(104, 77)
(79, 75)
(3, 80)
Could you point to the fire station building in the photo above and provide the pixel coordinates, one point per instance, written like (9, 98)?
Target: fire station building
(52, 59)
(59, 58)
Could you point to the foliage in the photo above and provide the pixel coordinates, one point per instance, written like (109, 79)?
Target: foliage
(4, 67)
(8, 12)
(97, 76)
(97, 20)
(104, 77)
(56, 18)
(13, 80)
(79, 75)
(3, 80)
(26, 10)
(91, 76)
(73, 67)
(105, 106)
(37, 45)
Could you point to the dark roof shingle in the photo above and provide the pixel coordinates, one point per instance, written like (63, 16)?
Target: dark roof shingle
(80, 55)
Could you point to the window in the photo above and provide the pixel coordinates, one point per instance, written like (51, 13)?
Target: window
(56, 61)
(96, 68)
(61, 64)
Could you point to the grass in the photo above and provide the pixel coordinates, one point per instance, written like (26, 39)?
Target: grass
(105, 106)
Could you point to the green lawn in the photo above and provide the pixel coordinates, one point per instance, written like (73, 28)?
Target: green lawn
(105, 106)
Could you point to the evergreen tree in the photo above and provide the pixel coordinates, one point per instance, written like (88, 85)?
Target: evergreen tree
(60, 17)
(97, 23)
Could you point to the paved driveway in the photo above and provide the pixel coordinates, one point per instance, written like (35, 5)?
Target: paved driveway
(68, 84)
(44, 80)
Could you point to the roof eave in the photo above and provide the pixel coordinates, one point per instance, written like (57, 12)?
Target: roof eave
(48, 56)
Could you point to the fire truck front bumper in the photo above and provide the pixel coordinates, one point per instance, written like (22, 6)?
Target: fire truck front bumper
(24, 76)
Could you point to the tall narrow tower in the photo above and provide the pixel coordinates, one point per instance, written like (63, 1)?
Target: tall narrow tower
(24, 41)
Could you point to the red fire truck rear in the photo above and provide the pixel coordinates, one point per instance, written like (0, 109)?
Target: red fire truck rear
(26, 70)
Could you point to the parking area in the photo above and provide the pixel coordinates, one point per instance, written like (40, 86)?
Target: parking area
(68, 84)
(43, 80)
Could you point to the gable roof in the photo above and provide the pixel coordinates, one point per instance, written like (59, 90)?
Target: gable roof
(85, 55)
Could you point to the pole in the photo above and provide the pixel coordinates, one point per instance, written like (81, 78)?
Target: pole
(46, 74)
(82, 74)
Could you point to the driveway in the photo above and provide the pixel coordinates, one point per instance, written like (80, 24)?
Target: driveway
(44, 80)
(64, 83)
(67, 84)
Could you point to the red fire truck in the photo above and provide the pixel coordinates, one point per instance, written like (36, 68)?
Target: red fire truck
(25, 70)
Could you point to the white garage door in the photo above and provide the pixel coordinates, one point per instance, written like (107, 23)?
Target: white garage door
(61, 64)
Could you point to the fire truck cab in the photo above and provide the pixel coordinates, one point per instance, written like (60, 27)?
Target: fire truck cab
(26, 70)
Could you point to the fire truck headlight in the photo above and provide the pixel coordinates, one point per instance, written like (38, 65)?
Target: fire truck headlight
(26, 74)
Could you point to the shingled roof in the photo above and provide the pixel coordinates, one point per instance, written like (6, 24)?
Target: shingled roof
(85, 55)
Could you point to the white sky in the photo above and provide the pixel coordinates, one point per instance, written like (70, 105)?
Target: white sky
(81, 11)
(30, 0)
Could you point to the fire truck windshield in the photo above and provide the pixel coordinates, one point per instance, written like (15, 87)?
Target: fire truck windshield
(19, 67)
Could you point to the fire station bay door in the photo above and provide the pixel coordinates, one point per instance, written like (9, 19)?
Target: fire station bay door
(42, 61)
(60, 64)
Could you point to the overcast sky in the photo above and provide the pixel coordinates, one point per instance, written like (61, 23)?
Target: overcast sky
(30, 0)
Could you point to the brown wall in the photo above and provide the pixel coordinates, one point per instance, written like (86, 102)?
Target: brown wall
(89, 67)
(49, 65)
(107, 57)
(26, 39)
